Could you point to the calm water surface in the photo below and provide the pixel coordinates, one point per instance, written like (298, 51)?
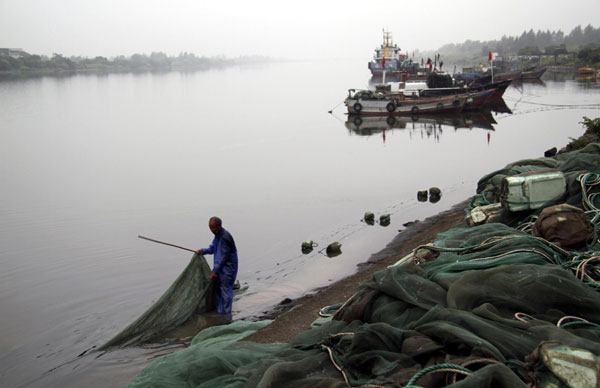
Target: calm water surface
(89, 162)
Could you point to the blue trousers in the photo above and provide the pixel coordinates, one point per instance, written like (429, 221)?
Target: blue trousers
(224, 290)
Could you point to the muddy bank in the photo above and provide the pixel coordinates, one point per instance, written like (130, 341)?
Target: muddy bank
(296, 316)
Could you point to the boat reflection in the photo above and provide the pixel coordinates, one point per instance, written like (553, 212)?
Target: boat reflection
(499, 107)
(520, 82)
(370, 125)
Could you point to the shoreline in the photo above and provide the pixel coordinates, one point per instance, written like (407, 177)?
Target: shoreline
(295, 317)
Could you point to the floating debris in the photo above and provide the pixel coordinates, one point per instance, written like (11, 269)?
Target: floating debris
(435, 191)
(308, 245)
(422, 195)
(435, 194)
(384, 219)
(334, 249)
(369, 218)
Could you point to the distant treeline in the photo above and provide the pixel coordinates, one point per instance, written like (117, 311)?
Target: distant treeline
(157, 61)
(531, 43)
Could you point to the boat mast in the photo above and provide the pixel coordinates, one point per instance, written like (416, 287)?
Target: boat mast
(387, 42)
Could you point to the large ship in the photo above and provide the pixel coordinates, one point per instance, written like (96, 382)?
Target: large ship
(389, 58)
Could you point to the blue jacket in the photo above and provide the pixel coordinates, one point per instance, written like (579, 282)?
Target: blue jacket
(225, 254)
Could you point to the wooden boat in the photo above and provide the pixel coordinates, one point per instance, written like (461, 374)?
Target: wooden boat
(483, 84)
(533, 73)
(477, 100)
(508, 76)
(370, 103)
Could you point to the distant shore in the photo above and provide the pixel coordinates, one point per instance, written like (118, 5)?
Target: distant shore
(58, 65)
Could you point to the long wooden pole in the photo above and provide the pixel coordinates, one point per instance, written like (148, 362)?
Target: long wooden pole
(164, 243)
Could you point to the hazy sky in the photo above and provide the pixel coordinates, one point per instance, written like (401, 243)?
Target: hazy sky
(298, 29)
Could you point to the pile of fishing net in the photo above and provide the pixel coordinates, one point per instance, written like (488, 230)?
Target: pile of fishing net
(573, 164)
(439, 80)
(191, 293)
(481, 306)
(476, 313)
(368, 95)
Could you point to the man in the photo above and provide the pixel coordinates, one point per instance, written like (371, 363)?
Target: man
(225, 264)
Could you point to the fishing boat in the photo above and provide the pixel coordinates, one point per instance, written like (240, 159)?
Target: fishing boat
(510, 75)
(533, 73)
(477, 86)
(371, 103)
(388, 60)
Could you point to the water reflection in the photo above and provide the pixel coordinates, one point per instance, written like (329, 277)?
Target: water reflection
(370, 125)
(529, 82)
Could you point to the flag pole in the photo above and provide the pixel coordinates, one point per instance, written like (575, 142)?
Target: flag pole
(492, 63)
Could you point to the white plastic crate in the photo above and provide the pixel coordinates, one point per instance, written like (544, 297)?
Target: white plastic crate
(533, 190)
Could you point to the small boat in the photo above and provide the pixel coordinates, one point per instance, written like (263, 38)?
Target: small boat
(371, 103)
(586, 71)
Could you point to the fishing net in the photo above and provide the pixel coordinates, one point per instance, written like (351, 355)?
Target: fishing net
(439, 80)
(210, 361)
(473, 316)
(471, 309)
(192, 292)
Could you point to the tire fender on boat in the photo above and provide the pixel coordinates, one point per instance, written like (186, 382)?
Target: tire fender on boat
(415, 109)
(390, 107)
(390, 120)
(440, 105)
(357, 107)
(357, 121)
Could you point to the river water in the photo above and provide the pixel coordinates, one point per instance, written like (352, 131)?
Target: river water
(89, 162)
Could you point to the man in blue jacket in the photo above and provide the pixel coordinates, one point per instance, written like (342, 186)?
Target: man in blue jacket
(225, 264)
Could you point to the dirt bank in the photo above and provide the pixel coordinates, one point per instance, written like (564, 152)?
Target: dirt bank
(295, 317)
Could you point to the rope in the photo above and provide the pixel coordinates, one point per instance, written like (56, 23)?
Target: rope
(336, 365)
(332, 109)
(519, 315)
(435, 369)
(580, 323)
(581, 268)
(339, 368)
(515, 251)
(476, 361)
(556, 105)
(325, 311)
(588, 182)
(493, 241)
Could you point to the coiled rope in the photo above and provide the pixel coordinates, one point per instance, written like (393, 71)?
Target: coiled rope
(436, 369)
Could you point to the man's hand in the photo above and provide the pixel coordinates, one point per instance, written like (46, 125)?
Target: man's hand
(199, 251)
(213, 276)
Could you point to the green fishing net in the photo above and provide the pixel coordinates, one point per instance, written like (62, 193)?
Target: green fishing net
(192, 292)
